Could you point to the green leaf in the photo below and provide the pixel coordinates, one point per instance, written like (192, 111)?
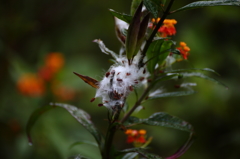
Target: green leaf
(152, 54)
(199, 4)
(77, 157)
(165, 50)
(165, 120)
(33, 118)
(200, 75)
(133, 31)
(142, 152)
(161, 119)
(194, 69)
(153, 6)
(142, 32)
(167, 76)
(134, 6)
(83, 142)
(171, 94)
(130, 155)
(125, 17)
(184, 148)
(81, 116)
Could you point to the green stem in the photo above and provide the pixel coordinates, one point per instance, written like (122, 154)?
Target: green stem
(145, 93)
(112, 127)
(159, 24)
(149, 41)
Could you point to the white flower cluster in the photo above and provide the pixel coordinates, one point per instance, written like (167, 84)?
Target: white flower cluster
(120, 79)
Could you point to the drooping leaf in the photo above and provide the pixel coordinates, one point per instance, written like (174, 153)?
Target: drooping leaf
(153, 6)
(125, 17)
(141, 152)
(161, 119)
(199, 4)
(130, 155)
(171, 94)
(92, 82)
(200, 75)
(165, 120)
(194, 69)
(82, 142)
(184, 148)
(166, 76)
(33, 118)
(77, 157)
(81, 116)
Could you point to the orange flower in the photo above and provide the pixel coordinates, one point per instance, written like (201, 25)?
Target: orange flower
(184, 49)
(136, 136)
(30, 85)
(54, 61)
(167, 29)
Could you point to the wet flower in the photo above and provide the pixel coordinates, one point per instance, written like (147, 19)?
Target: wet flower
(31, 85)
(136, 136)
(184, 49)
(167, 29)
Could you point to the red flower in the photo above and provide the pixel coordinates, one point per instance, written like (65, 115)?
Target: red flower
(136, 136)
(54, 61)
(167, 29)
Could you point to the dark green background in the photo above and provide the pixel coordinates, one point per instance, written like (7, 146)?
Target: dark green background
(29, 29)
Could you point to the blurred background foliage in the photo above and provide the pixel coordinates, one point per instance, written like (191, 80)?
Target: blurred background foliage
(30, 30)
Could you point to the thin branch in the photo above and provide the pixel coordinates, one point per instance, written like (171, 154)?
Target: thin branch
(159, 24)
(136, 104)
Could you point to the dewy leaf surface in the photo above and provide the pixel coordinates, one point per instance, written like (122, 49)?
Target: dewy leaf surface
(200, 75)
(153, 53)
(152, 6)
(171, 94)
(82, 142)
(199, 4)
(161, 119)
(194, 70)
(125, 17)
(141, 152)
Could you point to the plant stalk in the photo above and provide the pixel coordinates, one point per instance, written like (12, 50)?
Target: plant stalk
(112, 127)
(150, 39)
